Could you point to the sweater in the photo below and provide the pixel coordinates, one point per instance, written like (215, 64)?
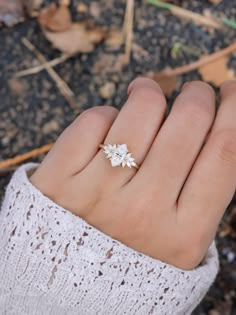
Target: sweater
(53, 262)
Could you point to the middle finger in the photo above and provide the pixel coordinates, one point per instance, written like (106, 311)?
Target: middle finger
(179, 141)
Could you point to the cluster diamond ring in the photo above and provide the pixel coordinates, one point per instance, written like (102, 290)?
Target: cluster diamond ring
(119, 155)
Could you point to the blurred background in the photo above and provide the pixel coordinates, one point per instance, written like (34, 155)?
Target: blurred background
(58, 58)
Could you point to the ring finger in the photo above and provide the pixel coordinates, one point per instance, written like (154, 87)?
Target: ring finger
(136, 125)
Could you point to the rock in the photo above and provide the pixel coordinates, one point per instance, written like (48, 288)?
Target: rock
(82, 8)
(95, 9)
(108, 90)
(50, 127)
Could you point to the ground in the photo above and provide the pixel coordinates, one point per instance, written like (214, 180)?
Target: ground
(33, 112)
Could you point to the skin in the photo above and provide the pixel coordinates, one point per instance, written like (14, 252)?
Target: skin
(171, 207)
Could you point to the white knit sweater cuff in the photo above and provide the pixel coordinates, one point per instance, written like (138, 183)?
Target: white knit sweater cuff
(53, 262)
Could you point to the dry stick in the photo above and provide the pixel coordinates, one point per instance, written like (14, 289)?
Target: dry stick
(22, 157)
(186, 14)
(62, 86)
(201, 62)
(43, 66)
(195, 17)
(128, 29)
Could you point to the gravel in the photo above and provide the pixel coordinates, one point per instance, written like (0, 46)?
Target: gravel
(33, 112)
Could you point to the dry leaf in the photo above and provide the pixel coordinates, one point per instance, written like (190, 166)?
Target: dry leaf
(115, 39)
(216, 71)
(65, 2)
(82, 8)
(215, 1)
(17, 86)
(79, 38)
(109, 63)
(11, 12)
(167, 83)
(32, 7)
(56, 19)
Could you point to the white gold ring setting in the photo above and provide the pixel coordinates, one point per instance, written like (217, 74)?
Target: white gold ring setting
(119, 155)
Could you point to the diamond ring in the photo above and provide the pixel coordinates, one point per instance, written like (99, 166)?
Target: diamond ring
(119, 155)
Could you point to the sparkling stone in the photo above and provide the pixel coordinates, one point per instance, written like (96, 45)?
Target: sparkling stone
(118, 155)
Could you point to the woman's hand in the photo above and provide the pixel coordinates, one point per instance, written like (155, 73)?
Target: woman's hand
(170, 208)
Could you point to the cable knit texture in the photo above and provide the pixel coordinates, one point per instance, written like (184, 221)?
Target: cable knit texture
(53, 262)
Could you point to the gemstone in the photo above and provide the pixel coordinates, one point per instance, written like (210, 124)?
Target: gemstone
(118, 155)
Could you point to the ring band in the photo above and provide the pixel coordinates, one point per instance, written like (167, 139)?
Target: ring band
(119, 155)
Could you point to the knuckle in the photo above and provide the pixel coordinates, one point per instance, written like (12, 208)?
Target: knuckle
(189, 254)
(190, 260)
(99, 114)
(225, 144)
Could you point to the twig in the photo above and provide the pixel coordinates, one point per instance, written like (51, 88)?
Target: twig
(62, 86)
(43, 66)
(128, 29)
(22, 157)
(200, 62)
(183, 13)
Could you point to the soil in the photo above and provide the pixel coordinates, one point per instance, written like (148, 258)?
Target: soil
(34, 113)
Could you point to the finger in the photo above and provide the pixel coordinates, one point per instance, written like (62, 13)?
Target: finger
(212, 182)
(78, 144)
(179, 141)
(136, 125)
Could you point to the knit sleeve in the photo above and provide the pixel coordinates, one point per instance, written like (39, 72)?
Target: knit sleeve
(53, 262)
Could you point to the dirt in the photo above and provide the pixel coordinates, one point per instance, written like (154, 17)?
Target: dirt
(33, 112)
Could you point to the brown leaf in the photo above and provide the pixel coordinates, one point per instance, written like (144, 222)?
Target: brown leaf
(115, 39)
(17, 86)
(79, 38)
(56, 19)
(32, 7)
(11, 12)
(215, 1)
(216, 71)
(82, 8)
(65, 2)
(167, 83)
(109, 63)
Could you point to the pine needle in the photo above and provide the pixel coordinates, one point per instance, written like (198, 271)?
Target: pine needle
(200, 62)
(23, 157)
(61, 84)
(186, 14)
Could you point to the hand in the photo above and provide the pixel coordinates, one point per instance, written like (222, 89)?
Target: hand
(170, 208)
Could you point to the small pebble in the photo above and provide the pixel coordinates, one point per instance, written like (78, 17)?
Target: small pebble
(5, 140)
(82, 8)
(108, 90)
(230, 257)
(50, 127)
(229, 254)
(95, 9)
